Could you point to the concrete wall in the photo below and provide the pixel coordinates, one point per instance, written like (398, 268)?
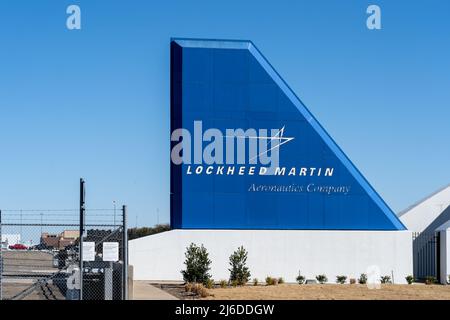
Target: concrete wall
(279, 253)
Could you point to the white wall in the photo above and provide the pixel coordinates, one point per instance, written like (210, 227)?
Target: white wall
(445, 255)
(278, 253)
(420, 215)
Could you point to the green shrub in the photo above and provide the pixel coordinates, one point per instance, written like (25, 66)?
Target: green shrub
(385, 279)
(280, 280)
(300, 279)
(197, 264)
(341, 279)
(209, 283)
(270, 281)
(321, 278)
(409, 279)
(234, 283)
(239, 271)
(223, 283)
(430, 280)
(362, 278)
(255, 282)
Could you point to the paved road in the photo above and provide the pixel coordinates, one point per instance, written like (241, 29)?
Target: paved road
(27, 261)
(22, 268)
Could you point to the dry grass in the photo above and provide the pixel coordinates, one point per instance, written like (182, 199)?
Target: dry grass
(332, 292)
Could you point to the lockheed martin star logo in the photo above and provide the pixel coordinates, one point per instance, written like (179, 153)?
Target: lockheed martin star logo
(273, 142)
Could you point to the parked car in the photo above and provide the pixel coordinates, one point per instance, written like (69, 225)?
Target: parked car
(18, 246)
(71, 249)
(41, 246)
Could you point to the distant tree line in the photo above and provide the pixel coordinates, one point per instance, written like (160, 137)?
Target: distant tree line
(134, 233)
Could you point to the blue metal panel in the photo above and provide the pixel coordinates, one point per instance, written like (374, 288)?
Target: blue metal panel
(230, 85)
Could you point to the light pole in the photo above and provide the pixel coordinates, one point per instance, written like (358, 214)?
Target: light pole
(21, 226)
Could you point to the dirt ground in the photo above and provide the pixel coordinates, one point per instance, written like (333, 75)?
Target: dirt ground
(332, 292)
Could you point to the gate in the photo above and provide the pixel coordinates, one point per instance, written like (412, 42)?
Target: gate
(426, 255)
(37, 248)
(73, 254)
(104, 252)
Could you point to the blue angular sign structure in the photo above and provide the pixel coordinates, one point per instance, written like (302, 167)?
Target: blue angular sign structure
(229, 85)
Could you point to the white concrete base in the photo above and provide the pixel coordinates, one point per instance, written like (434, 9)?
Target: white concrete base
(277, 253)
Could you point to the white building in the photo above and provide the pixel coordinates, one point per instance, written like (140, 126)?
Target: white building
(296, 220)
(10, 240)
(428, 216)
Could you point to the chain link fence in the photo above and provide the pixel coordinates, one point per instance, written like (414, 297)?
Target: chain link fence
(41, 250)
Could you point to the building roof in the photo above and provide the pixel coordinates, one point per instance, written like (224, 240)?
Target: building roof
(422, 200)
(428, 214)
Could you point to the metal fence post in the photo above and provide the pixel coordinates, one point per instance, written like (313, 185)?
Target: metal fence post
(1, 258)
(437, 247)
(82, 211)
(125, 253)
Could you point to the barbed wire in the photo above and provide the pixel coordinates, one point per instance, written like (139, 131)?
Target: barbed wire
(67, 216)
(59, 210)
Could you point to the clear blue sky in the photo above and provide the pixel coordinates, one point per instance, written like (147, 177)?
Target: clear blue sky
(94, 103)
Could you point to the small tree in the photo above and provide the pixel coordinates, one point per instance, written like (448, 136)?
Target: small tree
(321, 278)
(300, 279)
(362, 278)
(385, 280)
(430, 280)
(341, 279)
(239, 271)
(197, 264)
